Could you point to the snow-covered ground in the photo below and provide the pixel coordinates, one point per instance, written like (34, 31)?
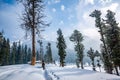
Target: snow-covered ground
(52, 72)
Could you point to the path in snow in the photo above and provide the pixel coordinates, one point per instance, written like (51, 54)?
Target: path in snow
(47, 76)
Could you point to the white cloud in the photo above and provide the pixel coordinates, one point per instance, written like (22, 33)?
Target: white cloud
(50, 37)
(70, 17)
(57, 1)
(89, 2)
(61, 22)
(62, 7)
(10, 21)
(113, 7)
(80, 7)
(87, 19)
(104, 2)
(48, 2)
(92, 33)
(53, 2)
(53, 9)
(86, 24)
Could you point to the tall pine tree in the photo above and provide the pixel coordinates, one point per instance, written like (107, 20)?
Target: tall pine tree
(48, 55)
(61, 45)
(112, 35)
(99, 24)
(77, 38)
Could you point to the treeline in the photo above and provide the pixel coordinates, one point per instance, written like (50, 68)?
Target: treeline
(14, 53)
(17, 53)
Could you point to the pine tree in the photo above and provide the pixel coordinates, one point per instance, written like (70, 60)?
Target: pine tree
(103, 56)
(77, 38)
(25, 54)
(22, 54)
(33, 20)
(37, 55)
(18, 54)
(61, 45)
(92, 54)
(4, 52)
(98, 64)
(41, 50)
(48, 55)
(112, 35)
(1, 43)
(13, 53)
(29, 55)
(8, 52)
(99, 24)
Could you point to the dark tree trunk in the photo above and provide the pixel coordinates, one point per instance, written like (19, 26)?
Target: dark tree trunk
(82, 65)
(33, 48)
(116, 69)
(33, 37)
(109, 68)
(93, 65)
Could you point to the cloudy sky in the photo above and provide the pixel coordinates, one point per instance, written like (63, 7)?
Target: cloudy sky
(65, 14)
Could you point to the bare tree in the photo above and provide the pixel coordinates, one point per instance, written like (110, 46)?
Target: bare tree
(33, 20)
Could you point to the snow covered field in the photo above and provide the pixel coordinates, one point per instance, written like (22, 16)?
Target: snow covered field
(52, 72)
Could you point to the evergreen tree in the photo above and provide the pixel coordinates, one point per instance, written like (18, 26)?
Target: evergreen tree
(33, 20)
(103, 56)
(112, 35)
(22, 54)
(49, 53)
(4, 52)
(41, 49)
(61, 47)
(77, 38)
(98, 64)
(29, 54)
(13, 52)
(25, 54)
(91, 54)
(99, 24)
(37, 56)
(1, 44)
(8, 52)
(18, 54)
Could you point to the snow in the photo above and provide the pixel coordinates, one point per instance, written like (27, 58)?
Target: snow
(21, 72)
(52, 72)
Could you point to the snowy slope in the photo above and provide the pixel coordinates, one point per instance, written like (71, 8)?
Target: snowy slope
(21, 72)
(72, 73)
(52, 72)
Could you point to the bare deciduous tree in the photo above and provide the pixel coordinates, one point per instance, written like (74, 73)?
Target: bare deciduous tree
(33, 20)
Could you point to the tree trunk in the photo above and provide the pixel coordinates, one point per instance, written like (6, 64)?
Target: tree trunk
(82, 65)
(93, 66)
(33, 48)
(109, 68)
(116, 69)
(33, 35)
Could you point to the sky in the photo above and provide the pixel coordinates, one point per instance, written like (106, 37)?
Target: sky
(67, 15)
